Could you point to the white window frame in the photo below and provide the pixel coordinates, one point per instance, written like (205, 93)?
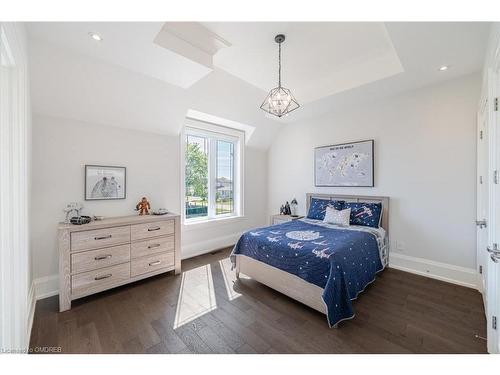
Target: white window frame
(214, 132)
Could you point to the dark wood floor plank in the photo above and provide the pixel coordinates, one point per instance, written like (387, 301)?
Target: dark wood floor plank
(193, 342)
(398, 313)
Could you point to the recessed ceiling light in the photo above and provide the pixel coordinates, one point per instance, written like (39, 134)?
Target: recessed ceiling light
(95, 36)
(443, 68)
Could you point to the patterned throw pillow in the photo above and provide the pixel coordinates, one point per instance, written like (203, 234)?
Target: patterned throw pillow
(365, 214)
(337, 217)
(317, 209)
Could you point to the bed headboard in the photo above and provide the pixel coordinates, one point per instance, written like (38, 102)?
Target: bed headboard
(356, 198)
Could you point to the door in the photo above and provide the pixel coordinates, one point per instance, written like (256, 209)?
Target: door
(482, 197)
(493, 248)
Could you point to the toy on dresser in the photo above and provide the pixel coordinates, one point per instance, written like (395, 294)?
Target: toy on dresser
(143, 206)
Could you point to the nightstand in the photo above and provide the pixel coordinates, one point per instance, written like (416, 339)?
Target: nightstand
(278, 219)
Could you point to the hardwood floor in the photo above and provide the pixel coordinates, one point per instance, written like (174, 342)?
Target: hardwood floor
(205, 311)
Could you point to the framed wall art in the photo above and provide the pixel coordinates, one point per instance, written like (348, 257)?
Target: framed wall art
(346, 164)
(105, 182)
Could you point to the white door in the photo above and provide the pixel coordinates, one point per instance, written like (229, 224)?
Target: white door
(493, 248)
(482, 197)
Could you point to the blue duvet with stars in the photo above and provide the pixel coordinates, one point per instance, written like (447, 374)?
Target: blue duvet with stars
(341, 261)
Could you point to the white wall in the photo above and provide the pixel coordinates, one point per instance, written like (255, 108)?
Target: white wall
(424, 161)
(62, 147)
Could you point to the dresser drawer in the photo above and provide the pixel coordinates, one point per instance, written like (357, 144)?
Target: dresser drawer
(98, 280)
(153, 246)
(95, 259)
(94, 239)
(151, 263)
(155, 229)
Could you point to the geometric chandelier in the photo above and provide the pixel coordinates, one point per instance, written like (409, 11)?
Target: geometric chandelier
(280, 100)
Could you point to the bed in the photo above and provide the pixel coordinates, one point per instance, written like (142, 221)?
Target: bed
(320, 265)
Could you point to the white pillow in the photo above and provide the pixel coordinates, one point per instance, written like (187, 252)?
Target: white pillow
(333, 216)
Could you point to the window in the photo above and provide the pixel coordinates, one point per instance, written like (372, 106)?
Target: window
(212, 172)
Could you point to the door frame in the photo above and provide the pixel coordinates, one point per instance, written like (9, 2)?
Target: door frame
(481, 183)
(493, 275)
(15, 141)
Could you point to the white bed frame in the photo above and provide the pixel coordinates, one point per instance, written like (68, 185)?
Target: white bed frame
(295, 287)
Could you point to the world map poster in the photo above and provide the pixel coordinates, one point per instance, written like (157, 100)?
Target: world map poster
(348, 164)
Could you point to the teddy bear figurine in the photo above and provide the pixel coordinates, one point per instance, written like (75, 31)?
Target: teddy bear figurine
(143, 206)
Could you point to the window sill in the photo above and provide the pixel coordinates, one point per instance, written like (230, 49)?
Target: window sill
(207, 223)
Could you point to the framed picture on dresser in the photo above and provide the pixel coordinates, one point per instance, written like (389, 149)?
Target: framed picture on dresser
(346, 164)
(105, 182)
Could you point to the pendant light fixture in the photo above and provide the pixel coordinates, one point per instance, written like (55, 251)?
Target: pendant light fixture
(279, 101)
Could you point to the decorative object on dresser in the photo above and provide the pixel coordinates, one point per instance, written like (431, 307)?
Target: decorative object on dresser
(80, 220)
(278, 219)
(160, 211)
(103, 182)
(143, 206)
(347, 164)
(73, 207)
(115, 251)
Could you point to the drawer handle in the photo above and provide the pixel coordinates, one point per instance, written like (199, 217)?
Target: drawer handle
(154, 245)
(101, 257)
(103, 237)
(103, 276)
(154, 263)
(153, 229)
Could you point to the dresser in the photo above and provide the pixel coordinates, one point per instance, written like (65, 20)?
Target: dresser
(108, 253)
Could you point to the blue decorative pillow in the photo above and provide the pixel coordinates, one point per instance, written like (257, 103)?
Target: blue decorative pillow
(365, 214)
(317, 209)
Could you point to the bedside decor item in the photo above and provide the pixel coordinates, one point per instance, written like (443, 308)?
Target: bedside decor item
(285, 209)
(279, 101)
(293, 207)
(103, 182)
(143, 206)
(347, 164)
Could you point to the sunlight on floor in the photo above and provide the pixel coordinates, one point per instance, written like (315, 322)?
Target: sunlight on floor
(196, 296)
(229, 278)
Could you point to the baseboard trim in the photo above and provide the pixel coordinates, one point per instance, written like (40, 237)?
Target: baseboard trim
(31, 311)
(436, 270)
(204, 247)
(46, 286)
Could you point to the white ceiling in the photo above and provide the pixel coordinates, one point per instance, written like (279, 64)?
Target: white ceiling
(422, 48)
(127, 44)
(129, 80)
(318, 59)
